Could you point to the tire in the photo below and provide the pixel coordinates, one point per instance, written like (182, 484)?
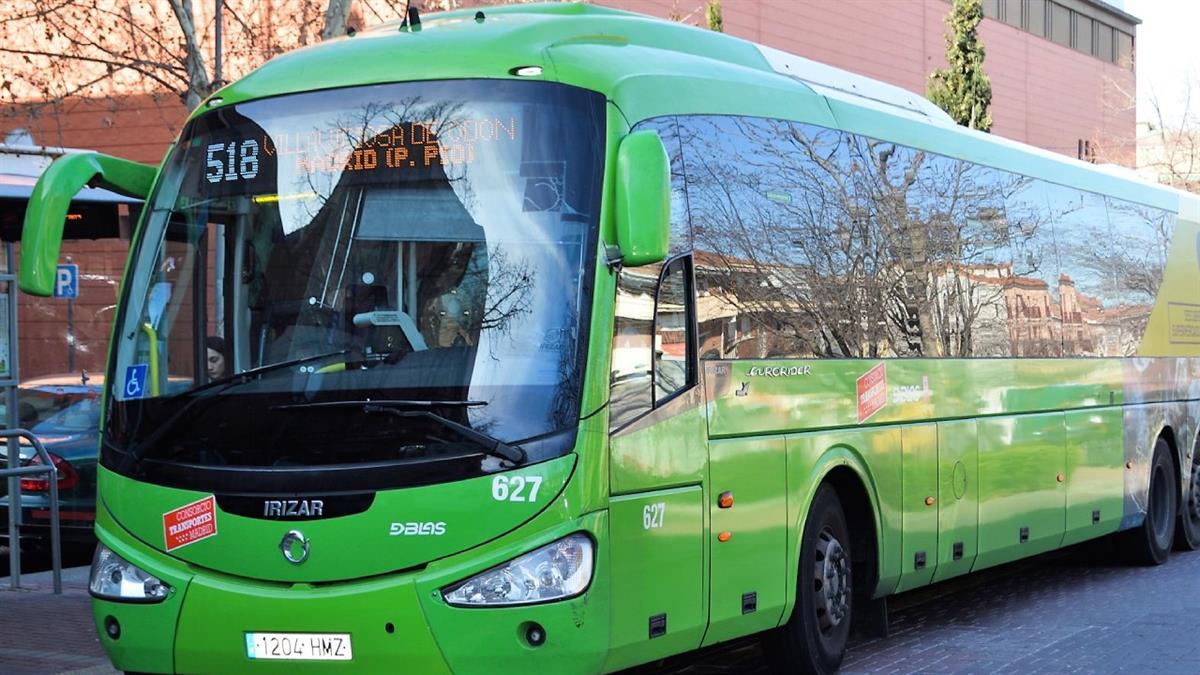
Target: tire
(1150, 543)
(813, 641)
(1187, 532)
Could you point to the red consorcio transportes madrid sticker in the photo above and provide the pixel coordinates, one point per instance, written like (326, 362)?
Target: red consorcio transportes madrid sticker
(190, 523)
(872, 392)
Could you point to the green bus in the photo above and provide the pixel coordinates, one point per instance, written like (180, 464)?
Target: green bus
(560, 338)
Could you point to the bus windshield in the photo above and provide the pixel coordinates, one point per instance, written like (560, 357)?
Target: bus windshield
(311, 260)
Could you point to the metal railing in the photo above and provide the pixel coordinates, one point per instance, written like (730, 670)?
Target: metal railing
(14, 507)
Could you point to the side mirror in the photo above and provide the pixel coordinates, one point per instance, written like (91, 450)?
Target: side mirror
(643, 199)
(46, 214)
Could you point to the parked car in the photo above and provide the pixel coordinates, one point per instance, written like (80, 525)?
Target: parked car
(63, 411)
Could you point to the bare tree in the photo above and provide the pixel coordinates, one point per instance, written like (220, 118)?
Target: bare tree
(445, 5)
(1166, 144)
(1168, 148)
(336, 15)
(837, 245)
(53, 51)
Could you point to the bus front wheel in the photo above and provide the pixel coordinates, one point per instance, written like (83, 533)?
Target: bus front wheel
(813, 641)
(1150, 543)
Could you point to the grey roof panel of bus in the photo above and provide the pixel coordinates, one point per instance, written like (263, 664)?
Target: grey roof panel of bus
(1001, 153)
(416, 214)
(836, 83)
(853, 99)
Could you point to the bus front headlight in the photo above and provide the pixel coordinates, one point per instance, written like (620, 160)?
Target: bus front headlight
(115, 578)
(559, 570)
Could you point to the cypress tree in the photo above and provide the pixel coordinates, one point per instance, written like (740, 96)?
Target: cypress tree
(963, 90)
(712, 13)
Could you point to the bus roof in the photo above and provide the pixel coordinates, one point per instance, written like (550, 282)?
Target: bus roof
(650, 67)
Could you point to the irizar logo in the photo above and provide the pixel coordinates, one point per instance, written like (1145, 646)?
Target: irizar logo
(426, 529)
(282, 508)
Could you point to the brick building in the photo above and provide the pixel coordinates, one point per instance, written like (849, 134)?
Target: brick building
(1061, 71)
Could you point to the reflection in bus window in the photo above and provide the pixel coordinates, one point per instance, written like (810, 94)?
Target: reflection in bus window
(1087, 290)
(667, 130)
(815, 243)
(671, 322)
(762, 201)
(630, 378)
(1137, 264)
(1034, 307)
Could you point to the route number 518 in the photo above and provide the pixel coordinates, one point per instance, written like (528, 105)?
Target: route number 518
(231, 161)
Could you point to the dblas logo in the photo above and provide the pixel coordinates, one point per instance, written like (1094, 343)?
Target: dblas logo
(418, 529)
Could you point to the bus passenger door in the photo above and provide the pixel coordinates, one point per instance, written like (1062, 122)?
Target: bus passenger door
(657, 464)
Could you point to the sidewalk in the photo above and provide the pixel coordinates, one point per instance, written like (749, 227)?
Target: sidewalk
(45, 633)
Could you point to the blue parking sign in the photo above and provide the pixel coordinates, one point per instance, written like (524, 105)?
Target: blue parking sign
(66, 282)
(135, 381)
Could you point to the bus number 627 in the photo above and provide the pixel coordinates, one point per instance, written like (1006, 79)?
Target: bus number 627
(652, 515)
(512, 488)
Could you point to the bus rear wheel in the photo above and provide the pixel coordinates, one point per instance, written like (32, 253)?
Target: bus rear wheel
(813, 641)
(1187, 533)
(1150, 544)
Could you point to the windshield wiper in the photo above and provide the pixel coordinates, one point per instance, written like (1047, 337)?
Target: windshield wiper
(490, 444)
(392, 403)
(221, 384)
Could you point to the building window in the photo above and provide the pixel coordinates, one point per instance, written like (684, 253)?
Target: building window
(1035, 17)
(1060, 24)
(1067, 27)
(1104, 42)
(1084, 28)
(1124, 49)
(1010, 12)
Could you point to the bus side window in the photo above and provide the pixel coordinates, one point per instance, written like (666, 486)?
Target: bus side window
(672, 322)
(652, 352)
(630, 379)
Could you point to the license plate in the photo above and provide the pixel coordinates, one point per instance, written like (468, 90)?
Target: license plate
(299, 646)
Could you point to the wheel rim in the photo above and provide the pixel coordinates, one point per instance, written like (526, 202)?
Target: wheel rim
(1160, 491)
(831, 581)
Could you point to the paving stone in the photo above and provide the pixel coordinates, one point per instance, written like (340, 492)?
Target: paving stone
(1067, 612)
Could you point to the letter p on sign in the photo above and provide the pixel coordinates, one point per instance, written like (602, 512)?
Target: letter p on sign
(66, 282)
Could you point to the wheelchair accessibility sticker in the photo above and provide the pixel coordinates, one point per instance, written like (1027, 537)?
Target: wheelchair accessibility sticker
(135, 381)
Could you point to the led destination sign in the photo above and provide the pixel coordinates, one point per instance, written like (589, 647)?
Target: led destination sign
(408, 145)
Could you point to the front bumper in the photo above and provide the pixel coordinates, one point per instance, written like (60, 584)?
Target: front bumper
(397, 622)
